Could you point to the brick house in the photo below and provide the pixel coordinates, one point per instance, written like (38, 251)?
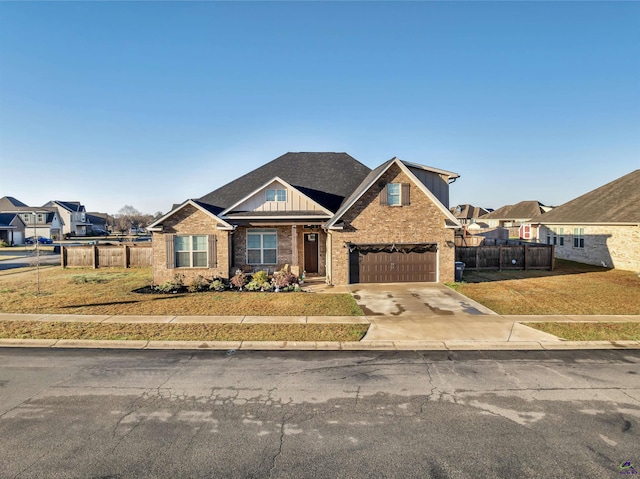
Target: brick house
(601, 227)
(325, 214)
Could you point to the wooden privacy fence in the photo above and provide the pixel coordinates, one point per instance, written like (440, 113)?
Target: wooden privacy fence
(507, 257)
(104, 256)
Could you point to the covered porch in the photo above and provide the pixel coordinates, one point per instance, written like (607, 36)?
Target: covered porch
(272, 246)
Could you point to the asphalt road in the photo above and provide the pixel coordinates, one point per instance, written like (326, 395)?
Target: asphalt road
(30, 260)
(167, 414)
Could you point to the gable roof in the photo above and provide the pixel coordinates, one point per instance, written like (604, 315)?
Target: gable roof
(615, 202)
(468, 211)
(9, 203)
(280, 213)
(207, 209)
(327, 178)
(7, 218)
(522, 210)
(372, 178)
(73, 206)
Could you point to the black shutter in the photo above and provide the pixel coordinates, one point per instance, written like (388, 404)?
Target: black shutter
(213, 258)
(406, 188)
(171, 251)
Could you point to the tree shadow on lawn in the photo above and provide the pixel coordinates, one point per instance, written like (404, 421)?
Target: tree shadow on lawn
(562, 267)
(115, 303)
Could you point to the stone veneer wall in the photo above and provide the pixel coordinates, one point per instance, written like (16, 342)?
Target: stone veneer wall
(369, 222)
(615, 246)
(189, 221)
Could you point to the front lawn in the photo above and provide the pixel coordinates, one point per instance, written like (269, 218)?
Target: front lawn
(590, 331)
(181, 332)
(572, 288)
(110, 291)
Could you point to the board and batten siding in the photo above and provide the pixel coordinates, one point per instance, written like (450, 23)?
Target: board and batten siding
(295, 201)
(437, 184)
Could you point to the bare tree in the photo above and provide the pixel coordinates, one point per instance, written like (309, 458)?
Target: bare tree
(128, 218)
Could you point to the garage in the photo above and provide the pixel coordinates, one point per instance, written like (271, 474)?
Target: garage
(393, 263)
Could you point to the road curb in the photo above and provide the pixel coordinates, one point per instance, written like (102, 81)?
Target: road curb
(320, 345)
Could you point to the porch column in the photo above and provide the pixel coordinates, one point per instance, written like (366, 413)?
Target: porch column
(294, 248)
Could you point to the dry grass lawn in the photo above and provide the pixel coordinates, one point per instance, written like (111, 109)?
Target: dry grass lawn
(182, 332)
(109, 291)
(591, 331)
(572, 288)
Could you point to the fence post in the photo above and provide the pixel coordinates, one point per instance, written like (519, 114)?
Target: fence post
(500, 254)
(95, 256)
(526, 257)
(553, 257)
(127, 256)
(63, 256)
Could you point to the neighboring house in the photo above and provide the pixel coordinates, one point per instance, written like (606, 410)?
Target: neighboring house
(467, 214)
(601, 227)
(38, 221)
(9, 203)
(322, 213)
(11, 228)
(515, 219)
(73, 215)
(99, 222)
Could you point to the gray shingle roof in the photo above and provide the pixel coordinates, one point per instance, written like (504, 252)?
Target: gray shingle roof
(522, 210)
(327, 178)
(615, 202)
(9, 203)
(7, 218)
(468, 211)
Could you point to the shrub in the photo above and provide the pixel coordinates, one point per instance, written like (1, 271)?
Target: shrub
(217, 285)
(172, 286)
(239, 279)
(198, 284)
(283, 279)
(3, 244)
(259, 282)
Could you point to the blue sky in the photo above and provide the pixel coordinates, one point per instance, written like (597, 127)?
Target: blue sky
(149, 104)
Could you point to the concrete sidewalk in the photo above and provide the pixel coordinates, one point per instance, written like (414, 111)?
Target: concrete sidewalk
(453, 332)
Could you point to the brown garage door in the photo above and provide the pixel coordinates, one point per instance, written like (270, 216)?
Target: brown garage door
(395, 267)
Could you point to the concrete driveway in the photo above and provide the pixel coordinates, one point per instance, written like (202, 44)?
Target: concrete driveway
(404, 300)
(434, 312)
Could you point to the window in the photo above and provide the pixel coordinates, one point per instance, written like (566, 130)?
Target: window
(561, 237)
(395, 194)
(191, 251)
(578, 237)
(262, 246)
(276, 195)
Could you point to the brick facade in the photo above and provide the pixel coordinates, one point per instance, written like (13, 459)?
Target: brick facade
(367, 221)
(609, 245)
(285, 248)
(189, 221)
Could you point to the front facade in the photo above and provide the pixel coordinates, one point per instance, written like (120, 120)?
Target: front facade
(318, 214)
(11, 229)
(73, 215)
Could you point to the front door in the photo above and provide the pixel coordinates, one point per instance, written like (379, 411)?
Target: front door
(311, 252)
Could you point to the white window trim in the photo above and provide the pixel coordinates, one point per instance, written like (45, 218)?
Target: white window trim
(397, 195)
(276, 195)
(191, 251)
(578, 237)
(261, 233)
